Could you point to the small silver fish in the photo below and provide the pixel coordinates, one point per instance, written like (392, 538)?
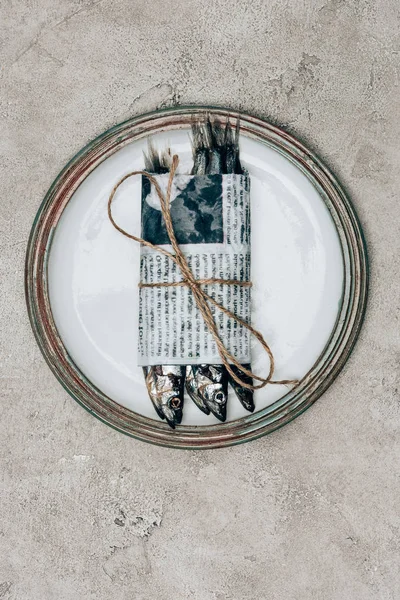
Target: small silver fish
(207, 385)
(223, 157)
(165, 385)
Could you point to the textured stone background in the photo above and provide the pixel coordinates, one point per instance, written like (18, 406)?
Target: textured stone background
(308, 513)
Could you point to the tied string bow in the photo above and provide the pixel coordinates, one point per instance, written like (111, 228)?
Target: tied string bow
(201, 297)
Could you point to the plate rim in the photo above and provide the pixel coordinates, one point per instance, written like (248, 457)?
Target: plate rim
(324, 371)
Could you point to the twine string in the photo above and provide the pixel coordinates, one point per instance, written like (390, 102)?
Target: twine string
(202, 299)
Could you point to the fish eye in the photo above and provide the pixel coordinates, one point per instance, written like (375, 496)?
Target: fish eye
(219, 397)
(175, 402)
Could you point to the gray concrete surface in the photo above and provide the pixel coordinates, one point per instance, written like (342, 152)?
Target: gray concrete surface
(308, 513)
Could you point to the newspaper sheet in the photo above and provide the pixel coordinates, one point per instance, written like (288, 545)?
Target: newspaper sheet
(211, 219)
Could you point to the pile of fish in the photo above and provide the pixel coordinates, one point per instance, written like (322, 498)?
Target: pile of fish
(215, 151)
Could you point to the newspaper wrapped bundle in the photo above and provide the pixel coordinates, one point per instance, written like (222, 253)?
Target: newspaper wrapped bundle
(205, 302)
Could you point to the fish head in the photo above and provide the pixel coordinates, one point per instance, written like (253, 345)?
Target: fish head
(171, 389)
(192, 388)
(172, 408)
(246, 398)
(215, 397)
(165, 387)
